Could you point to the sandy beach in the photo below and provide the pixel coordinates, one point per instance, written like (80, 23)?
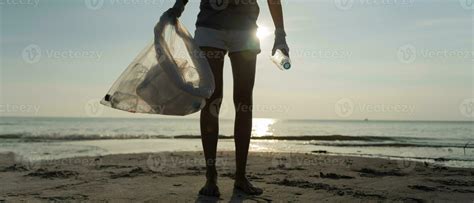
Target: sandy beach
(177, 177)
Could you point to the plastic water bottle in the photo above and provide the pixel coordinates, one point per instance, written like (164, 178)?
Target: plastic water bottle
(281, 60)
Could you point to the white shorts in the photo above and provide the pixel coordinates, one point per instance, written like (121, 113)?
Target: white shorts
(229, 40)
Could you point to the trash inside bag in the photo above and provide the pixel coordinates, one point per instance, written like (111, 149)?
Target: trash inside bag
(170, 76)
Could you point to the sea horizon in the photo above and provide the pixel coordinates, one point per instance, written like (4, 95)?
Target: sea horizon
(287, 119)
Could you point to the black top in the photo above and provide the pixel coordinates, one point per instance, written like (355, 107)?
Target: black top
(228, 14)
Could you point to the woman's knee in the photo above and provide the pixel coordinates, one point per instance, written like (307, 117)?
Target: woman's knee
(243, 99)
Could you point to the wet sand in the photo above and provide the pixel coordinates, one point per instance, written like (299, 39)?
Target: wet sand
(178, 176)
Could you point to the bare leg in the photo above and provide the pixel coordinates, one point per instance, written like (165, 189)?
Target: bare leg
(243, 68)
(210, 121)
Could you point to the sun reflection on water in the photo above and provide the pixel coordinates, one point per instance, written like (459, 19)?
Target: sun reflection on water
(262, 127)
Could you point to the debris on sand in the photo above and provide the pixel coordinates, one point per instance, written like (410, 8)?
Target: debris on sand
(334, 176)
(42, 173)
(366, 172)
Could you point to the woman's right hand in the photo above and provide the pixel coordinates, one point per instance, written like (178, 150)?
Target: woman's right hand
(177, 9)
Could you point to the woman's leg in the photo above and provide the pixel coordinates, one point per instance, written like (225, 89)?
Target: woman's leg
(243, 69)
(210, 121)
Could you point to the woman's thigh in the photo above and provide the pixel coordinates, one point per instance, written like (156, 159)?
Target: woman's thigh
(215, 57)
(243, 69)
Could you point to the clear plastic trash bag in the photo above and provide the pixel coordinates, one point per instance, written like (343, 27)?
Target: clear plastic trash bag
(170, 76)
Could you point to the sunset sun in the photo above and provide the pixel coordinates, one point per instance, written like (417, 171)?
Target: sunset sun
(263, 32)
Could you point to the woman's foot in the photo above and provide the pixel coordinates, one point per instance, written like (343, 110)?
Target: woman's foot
(245, 186)
(210, 188)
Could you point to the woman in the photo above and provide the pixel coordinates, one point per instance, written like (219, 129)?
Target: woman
(229, 26)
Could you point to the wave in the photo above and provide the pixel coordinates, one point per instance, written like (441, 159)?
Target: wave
(327, 138)
(121, 137)
(77, 137)
(303, 138)
(414, 158)
(319, 140)
(451, 145)
(7, 124)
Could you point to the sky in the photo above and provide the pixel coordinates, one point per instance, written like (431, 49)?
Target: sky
(351, 59)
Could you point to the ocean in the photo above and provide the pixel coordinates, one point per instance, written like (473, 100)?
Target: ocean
(446, 143)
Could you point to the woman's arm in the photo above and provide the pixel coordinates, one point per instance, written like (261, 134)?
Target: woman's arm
(277, 13)
(280, 35)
